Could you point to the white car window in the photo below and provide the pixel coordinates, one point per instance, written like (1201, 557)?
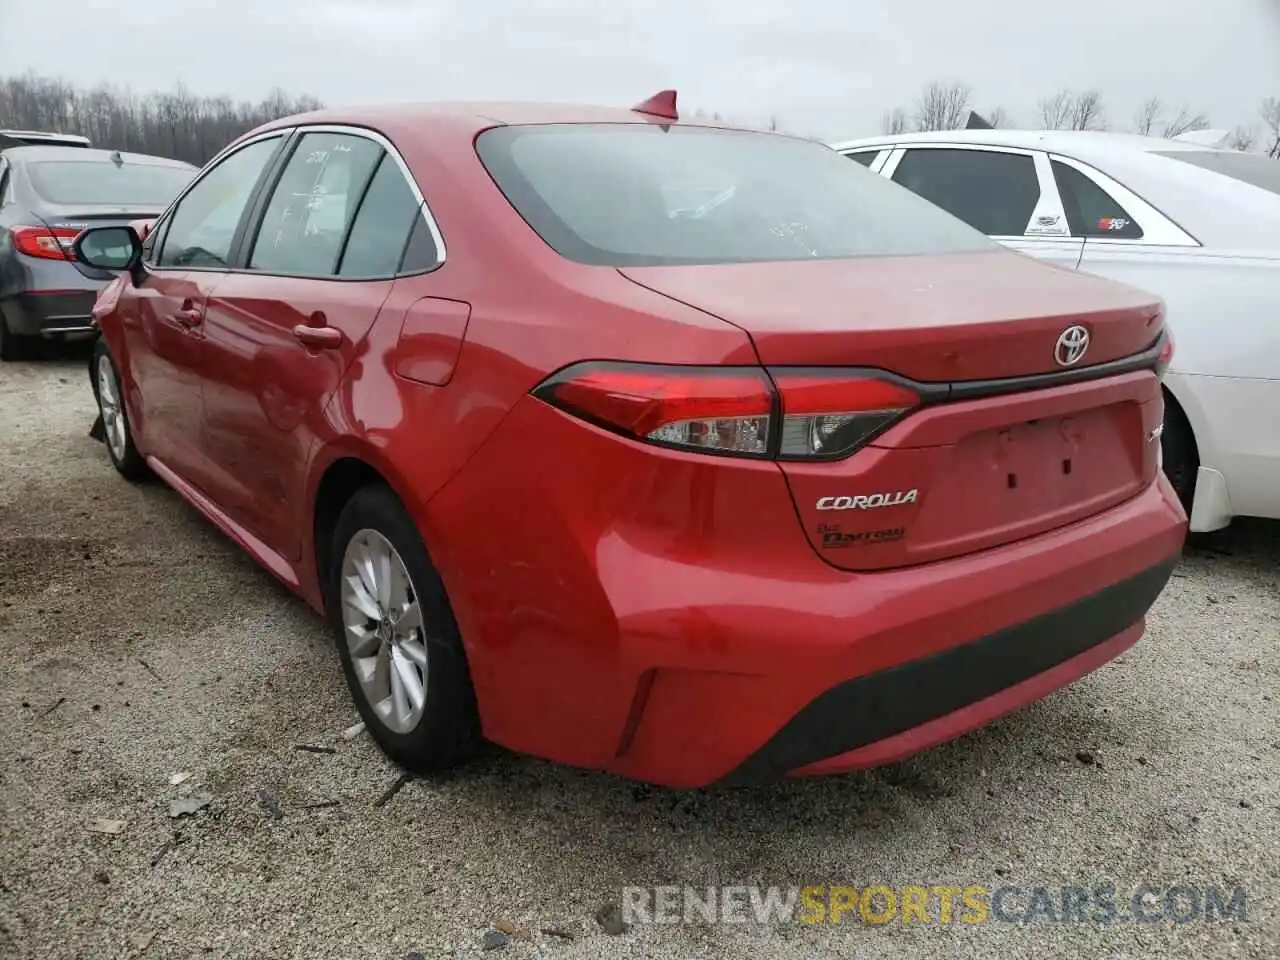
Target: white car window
(996, 193)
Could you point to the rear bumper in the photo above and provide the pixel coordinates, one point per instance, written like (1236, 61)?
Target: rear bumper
(57, 313)
(939, 651)
(664, 618)
(883, 716)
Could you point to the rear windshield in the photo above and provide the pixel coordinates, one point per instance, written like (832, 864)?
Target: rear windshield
(641, 194)
(1248, 168)
(74, 182)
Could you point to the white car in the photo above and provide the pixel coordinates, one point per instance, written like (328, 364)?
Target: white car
(1198, 226)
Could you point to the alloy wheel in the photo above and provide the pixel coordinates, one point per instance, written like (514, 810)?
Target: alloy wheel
(113, 420)
(382, 622)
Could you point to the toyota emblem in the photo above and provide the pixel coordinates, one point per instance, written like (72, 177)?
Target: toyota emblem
(1071, 346)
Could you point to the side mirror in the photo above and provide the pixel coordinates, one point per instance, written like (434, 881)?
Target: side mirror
(108, 248)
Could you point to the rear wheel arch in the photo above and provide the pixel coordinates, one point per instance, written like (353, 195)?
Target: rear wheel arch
(342, 480)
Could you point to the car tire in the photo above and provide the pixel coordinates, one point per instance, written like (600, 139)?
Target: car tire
(12, 346)
(1179, 454)
(117, 433)
(376, 646)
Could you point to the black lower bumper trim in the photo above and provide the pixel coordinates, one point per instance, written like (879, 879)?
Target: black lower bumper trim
(879, 705)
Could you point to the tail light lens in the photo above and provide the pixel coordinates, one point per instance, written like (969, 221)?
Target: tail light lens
(829, 413)
(785, 413)
(1166, 353)
(711, 409)
(47, 243)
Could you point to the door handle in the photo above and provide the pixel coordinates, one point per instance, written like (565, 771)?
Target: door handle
(325, 338)
(189, 315)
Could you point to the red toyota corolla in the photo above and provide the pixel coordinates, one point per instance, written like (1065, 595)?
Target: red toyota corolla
(689, 453)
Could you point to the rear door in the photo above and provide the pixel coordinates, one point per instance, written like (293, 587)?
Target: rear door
(163, 314)
(284, 327)
(1009, 194)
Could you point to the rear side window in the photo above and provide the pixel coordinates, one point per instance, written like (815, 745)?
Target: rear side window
(1250, 168)
(313, 204)
(105, 184)
(993, 192)
(643, 194)
(382, 226)
(422, 253)
(863, 157)
(1091, 211)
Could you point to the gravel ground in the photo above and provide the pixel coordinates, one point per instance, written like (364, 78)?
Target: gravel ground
(136, 642)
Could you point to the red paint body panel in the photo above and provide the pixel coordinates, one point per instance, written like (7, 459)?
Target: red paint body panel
(658, 613)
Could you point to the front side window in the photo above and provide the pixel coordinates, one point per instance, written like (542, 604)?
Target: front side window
(863, 157)
(644, 194)
(380, 231)
(203, 227)
(993, 192)
(313, 204)
(1091, 211)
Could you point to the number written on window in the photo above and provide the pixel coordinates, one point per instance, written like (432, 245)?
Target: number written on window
(313, 204)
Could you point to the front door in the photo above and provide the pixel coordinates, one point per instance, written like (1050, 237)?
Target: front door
(182, 266)
(163, 332)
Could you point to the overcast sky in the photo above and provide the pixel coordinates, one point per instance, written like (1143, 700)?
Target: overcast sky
(823, 67)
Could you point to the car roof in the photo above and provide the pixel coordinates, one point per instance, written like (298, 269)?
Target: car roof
(1093, 142)
(45, 154)
(475, 117)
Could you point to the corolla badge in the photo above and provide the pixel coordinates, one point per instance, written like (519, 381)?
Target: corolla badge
(875, 500)
(1071, 346)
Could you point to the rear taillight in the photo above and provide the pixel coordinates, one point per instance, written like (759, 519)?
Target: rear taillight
(786, 413)
(713, 409)
(829, 413)
(1166, 353)
(47, 243)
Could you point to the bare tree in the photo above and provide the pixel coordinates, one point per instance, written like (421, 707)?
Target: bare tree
(1086, 112)
(1184, 121)
(894, 122)
(1271, 117)
(1055, 111)
(1243, 139)
(942, 106)
(1148, 116)
(177, 124)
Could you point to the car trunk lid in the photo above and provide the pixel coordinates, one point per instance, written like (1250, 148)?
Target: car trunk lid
(951, 317)
(1007, 441)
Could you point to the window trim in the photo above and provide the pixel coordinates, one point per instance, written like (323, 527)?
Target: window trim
(1049, 204)
(1158, 230)
(255, 209)
(296, 133)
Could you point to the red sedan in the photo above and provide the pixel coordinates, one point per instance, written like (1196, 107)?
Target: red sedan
(685, 452)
